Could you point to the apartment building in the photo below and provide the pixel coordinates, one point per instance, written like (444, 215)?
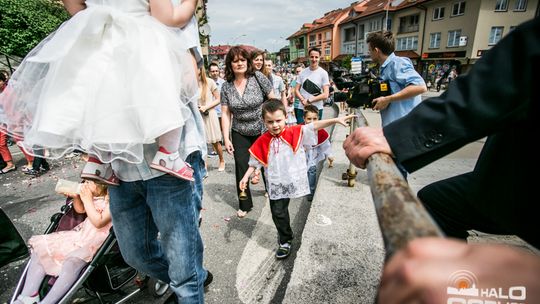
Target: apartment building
(458, 33)
(404, 18)
(298, 44)
(437, 35)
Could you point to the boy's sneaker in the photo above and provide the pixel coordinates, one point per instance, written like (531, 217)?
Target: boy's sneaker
(283, 250)
(31, 171)
(173, 164)
(99, 172)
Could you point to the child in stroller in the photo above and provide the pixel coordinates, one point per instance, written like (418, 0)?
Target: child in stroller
(61, 257)
(65, 253)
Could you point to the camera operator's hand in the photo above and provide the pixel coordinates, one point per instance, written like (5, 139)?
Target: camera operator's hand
(380, 103)
(363, 142)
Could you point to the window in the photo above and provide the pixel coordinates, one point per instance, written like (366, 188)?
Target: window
(328, 36)
(409, 24)
(495, 35)
(374, 25)
(453, 38)
(312, 41)
(319, 38)
(327, 51)
(350, 34)
(301, 43)
(521, 5)
(458, 9)
(501, 6)
(438, 13)
(407, 43)
(435, 40)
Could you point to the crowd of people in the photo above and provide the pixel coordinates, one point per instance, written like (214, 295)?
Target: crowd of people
(270, 119)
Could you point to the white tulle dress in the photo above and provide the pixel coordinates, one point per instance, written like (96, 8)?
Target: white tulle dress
(109, 80)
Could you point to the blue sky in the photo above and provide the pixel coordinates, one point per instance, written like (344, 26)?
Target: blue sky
(263, 23)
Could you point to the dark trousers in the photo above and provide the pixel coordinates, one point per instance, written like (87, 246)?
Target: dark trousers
(282, 221)
(39, 162)
(241, 144)
(453, 205)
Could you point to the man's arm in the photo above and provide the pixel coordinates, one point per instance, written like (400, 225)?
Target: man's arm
(175, 16)
(297, 91)
(323, 96)
(408, 92)
(74, 6)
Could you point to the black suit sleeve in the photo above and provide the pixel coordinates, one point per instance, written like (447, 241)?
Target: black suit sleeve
(496, 94)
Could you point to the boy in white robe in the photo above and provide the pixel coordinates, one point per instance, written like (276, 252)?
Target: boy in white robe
(281, 151)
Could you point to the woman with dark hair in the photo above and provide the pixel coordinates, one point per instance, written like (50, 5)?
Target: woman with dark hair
(257, 60)
(241, 99)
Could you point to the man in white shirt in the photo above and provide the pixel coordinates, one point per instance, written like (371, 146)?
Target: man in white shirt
(313, 84)
(277, 82)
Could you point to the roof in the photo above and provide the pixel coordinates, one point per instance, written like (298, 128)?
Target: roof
(224, 49)
(302, 31)
(372, 7)
(328, 19)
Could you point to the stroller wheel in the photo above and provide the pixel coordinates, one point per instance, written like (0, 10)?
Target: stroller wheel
(157, 288)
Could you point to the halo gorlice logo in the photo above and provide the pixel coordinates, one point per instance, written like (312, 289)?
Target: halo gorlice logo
(463, 289)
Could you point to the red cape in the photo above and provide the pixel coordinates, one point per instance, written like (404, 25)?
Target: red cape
(261, 147)
(322, 136)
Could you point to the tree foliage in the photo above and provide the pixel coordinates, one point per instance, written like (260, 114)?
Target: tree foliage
(24, 23)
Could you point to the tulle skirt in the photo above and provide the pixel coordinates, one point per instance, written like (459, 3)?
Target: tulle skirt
(106, 82)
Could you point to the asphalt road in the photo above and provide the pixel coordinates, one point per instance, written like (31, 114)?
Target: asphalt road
(239, 252)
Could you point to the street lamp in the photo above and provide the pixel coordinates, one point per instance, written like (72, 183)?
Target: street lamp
(238, 37)
(386, 18)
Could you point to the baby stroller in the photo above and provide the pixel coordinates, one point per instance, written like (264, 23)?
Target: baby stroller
(106, 273)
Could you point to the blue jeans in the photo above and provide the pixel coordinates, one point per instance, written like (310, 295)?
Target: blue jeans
(312, 178)
(170, 206)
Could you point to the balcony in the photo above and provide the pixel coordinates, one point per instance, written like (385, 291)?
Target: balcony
(408, 29)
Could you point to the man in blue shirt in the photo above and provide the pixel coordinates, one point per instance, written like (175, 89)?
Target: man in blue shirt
(406, 85)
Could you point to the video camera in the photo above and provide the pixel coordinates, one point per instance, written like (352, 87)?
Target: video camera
(362, 88)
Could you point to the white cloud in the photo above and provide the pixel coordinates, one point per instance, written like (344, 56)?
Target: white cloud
(262, 23)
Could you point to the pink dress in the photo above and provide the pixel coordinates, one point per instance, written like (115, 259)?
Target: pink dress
(81, 242)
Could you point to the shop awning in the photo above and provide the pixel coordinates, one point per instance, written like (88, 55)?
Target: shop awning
(409, 54)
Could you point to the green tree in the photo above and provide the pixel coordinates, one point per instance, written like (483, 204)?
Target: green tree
(24, 23)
